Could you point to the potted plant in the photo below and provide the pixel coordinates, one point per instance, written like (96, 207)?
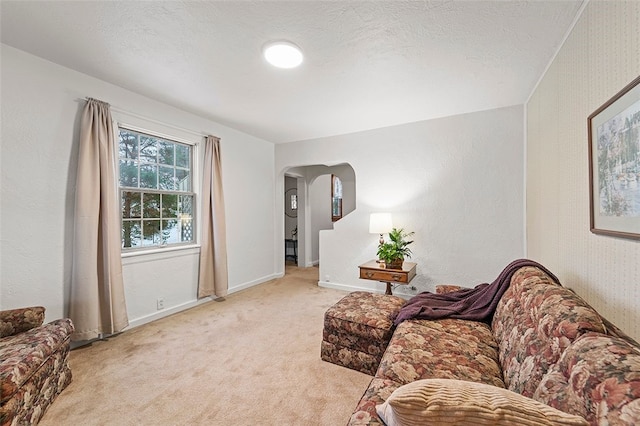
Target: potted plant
(394, 251)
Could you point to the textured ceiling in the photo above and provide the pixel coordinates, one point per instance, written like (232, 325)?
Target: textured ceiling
(368, 64)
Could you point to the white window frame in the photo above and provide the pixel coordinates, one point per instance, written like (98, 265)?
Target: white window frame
(195, 190)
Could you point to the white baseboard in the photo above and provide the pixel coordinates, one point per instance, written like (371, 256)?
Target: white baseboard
(350, 288)
(346, 287)
(184, 306)
(193, 303)
(255, 282)
(166, 312)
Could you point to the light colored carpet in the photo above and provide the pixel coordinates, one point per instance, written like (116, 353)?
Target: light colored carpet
(253, 359)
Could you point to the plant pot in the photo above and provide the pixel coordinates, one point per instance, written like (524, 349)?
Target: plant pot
(395, 264)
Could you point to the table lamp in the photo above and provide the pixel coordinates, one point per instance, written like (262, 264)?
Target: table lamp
(380, 223)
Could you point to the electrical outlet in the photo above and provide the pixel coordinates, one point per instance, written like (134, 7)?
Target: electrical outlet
(160, 303)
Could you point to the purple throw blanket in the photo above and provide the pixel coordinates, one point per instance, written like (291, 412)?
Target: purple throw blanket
(477, 304)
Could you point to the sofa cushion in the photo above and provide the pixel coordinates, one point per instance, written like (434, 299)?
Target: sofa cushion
(24, 353)
(446, 349)
(534, 322)
(598, 378)
(455, 402)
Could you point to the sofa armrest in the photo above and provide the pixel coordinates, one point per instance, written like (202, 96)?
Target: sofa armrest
(447, 288)
(16, 321)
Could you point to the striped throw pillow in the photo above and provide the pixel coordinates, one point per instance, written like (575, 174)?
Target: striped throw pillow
(457, 402)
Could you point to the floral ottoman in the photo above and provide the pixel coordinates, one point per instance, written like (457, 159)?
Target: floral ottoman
(357, 330)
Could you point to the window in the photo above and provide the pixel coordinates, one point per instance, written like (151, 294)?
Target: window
(336, 198)
(155, 191)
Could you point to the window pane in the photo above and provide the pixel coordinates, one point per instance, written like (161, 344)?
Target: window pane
(131, 233)
(165, 152)
(170, 231)
(165, 178)
(186, 228)
(151, 205)
(337, 187)
(131, 204)
(182, 156)
(186, 217)
(148, 176)
(183, 180)
(151, 233)
(129, 173)
(162, 166)
(186, 204)
(148, 149)
(335, 209)
(128, 144)
(169, 206)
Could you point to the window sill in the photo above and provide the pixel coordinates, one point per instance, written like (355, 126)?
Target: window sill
(159, 253)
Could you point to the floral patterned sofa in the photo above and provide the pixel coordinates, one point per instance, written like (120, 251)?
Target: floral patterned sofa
(34, 366)
(544, 343)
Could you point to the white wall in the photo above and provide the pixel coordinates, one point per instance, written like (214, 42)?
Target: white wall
(598, 59)
(320, 199)
(41, 103)
(347, 175)
(457, 182)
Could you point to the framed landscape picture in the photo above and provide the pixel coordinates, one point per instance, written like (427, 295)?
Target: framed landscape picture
(614, 164)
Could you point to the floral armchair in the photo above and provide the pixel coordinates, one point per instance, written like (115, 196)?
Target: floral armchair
(34, 365)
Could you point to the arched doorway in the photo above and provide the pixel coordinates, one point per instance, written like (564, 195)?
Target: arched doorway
(313, 196)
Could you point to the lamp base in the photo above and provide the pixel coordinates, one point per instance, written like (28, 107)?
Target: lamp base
(380, 242)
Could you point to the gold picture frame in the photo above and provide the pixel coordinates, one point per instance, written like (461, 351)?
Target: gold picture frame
(614, 164)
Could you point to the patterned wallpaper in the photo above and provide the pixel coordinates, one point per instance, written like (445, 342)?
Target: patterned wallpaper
(600, 57)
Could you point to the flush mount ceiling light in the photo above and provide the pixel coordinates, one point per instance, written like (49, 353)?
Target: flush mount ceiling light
(282, 54)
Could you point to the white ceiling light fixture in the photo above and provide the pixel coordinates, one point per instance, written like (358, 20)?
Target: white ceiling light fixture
(283, 54)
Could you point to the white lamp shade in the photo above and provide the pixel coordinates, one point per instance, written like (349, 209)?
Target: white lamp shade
(380, 223)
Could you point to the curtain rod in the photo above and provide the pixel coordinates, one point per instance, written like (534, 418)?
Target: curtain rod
(153, 120)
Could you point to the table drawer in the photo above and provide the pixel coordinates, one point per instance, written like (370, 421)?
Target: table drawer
(381, 275)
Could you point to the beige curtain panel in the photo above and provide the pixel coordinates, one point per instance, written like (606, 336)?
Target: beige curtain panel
(97, 305)
(213, 278)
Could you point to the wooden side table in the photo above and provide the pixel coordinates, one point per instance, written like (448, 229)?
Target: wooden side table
(375, 271)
